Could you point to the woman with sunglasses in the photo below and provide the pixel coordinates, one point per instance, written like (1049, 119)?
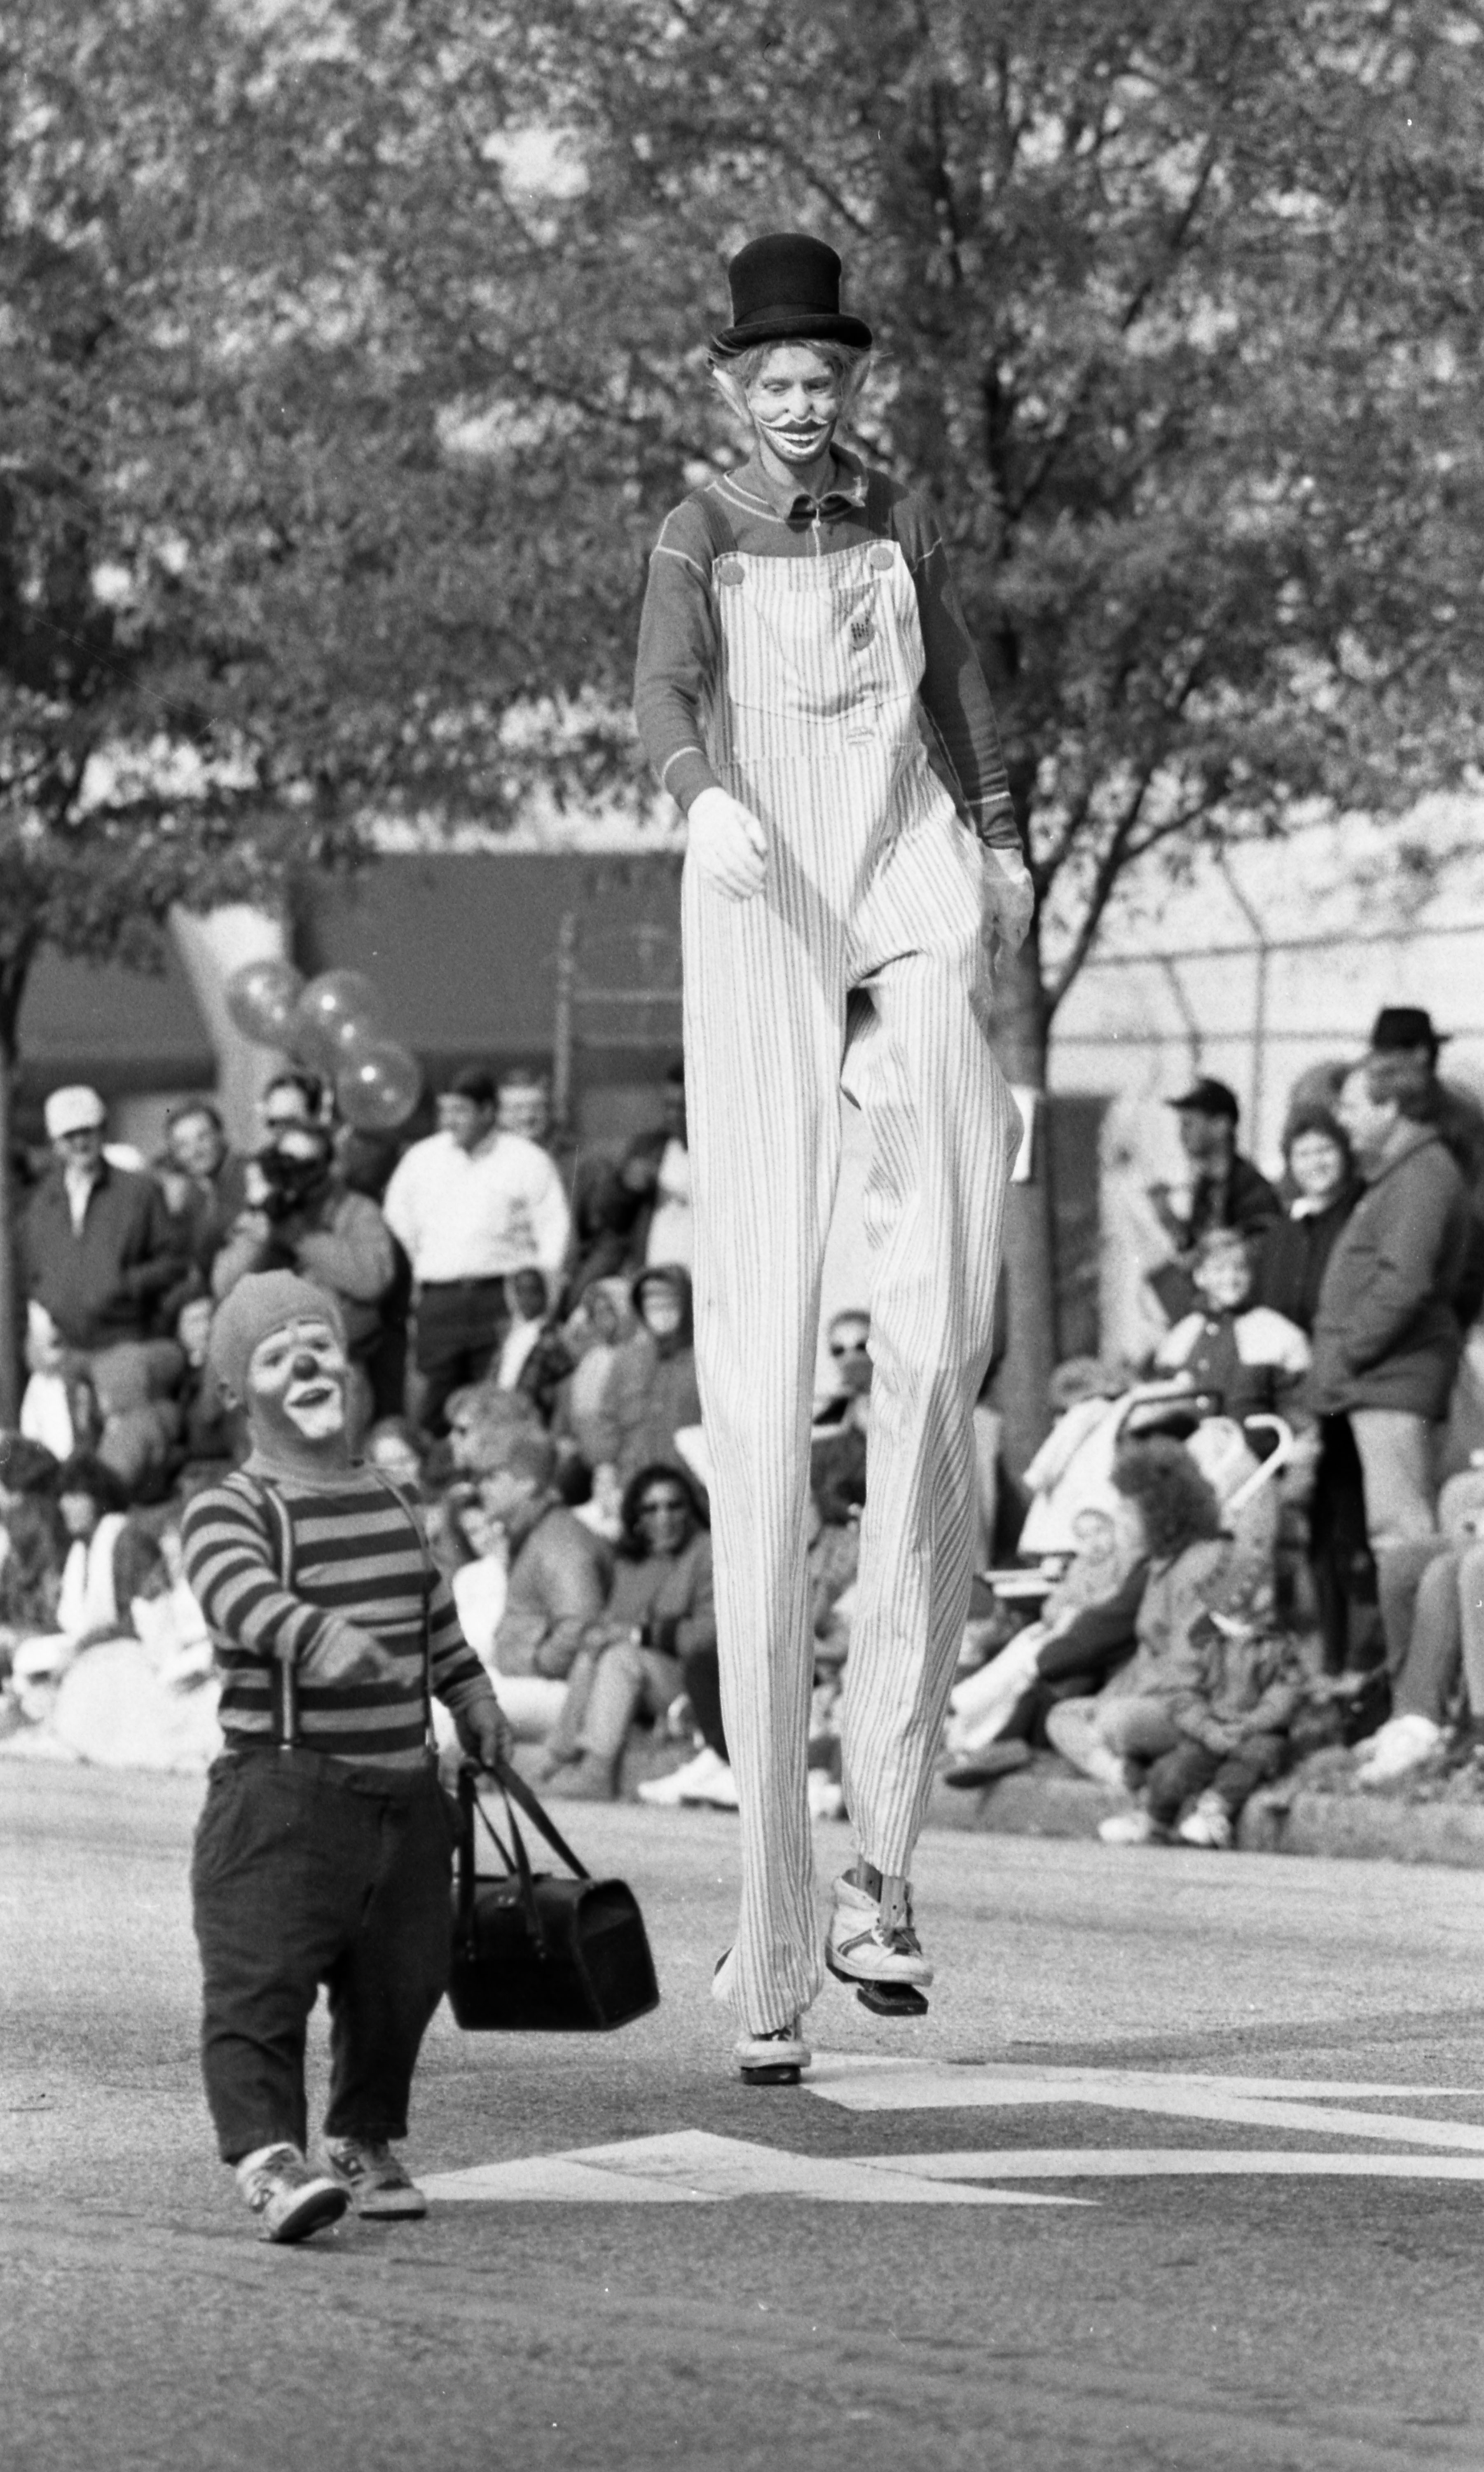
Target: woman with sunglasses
(660, 1611)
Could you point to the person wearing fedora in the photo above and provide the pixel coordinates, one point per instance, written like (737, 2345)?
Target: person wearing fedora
(809, 692)
(1403, 1035)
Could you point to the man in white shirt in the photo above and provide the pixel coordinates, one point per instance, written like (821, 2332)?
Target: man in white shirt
(471, 1206)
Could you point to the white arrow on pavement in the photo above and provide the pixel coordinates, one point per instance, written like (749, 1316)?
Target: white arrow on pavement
(690, 2167)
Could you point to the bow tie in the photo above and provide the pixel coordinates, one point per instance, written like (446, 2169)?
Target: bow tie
(834, 501)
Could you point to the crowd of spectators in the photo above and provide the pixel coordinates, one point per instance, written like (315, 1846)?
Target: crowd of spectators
(1282, 1548)
(1270, 1540)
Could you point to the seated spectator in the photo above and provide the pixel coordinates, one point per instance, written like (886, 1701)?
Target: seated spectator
(1292, 1254)
(1171, 1521)
(533, 1357)
(706, 1779)
(395, 1446)
(31, 1543)
(1246, 1684)
(480, 1421)
(660, 1611)
(651, 1392)
(1251, 1358)
(301, 1217)
(98, 1257)
(479, 1574)
(604, 1322)
(147, 1699)
(557, 1584)
(109, 1560)
(1085, 1630)
(204, 1184)
(1434, 1608)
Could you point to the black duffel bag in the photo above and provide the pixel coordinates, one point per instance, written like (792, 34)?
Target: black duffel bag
(534, 1954)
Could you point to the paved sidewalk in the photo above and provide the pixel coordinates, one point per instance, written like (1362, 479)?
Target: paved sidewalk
(1047, 1800)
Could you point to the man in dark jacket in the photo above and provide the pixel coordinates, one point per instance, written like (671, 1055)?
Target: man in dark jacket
(1226, 1190)
(1387, 1337)
(96, 1248)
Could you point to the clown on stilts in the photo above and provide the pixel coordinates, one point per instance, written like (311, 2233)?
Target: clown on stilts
(809, 692)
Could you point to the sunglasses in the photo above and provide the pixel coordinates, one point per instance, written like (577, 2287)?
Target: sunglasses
(849, 1348)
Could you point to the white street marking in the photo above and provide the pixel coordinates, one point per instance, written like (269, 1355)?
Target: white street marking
(937, 2085)
(1144, 2162)
(691, 2167)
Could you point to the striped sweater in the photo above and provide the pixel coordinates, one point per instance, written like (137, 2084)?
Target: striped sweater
(356, 1556)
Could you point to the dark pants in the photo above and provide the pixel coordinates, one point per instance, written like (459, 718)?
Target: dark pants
(1179, 1775)
(460, 1325)
(306, 1873)
(703, 1691)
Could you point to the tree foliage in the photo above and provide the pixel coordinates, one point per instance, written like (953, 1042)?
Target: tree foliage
(351, 351)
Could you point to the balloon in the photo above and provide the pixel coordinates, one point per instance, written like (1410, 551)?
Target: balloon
(334, 1014)
(379, 1088)
(262, 998)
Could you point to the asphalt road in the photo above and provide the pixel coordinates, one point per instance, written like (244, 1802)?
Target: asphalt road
(663, 2304)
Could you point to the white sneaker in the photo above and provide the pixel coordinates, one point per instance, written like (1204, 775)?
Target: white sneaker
(1401, 1744)
(857, 1950)
(1131, 1828)
(1209, 1824)
(708, 1780)
(288, 2198)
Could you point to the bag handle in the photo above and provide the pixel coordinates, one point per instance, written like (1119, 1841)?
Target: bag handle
(517, 1864)
(515, 1789)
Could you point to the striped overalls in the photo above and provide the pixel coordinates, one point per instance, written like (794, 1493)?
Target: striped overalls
(859, 967)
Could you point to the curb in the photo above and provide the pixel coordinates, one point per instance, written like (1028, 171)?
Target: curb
(1338, 1827)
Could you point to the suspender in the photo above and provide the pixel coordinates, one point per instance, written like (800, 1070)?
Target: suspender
(285, 1686)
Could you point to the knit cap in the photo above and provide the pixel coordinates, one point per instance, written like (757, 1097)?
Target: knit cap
(262, 1303)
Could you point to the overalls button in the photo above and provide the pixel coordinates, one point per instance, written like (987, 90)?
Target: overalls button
(880, 556)
(728, 570)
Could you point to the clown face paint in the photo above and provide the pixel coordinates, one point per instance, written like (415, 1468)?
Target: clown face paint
(297, 1387)
(795, 401)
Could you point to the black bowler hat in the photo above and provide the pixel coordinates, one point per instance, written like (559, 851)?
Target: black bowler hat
(785, 288)
(1208, 1098)
(1404, 1026)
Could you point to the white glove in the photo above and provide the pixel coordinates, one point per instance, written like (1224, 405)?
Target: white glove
(1009, 901)
(728, 843)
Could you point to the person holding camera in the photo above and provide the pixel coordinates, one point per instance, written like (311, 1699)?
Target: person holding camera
(301, 1215)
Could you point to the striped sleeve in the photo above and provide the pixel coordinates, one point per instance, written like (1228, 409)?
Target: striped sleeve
(231, 1563)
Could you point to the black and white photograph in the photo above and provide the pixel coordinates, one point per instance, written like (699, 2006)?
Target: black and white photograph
(741, 1235)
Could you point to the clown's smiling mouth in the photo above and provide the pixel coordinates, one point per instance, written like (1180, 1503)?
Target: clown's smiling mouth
(311, 1394)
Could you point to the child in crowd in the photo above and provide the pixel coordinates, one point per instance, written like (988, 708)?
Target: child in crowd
(1249, 1356)
(1243, 1686)
(989, 1709)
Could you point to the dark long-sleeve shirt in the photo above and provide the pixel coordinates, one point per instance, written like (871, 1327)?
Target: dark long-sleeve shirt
(679, 641)
(355, 1556)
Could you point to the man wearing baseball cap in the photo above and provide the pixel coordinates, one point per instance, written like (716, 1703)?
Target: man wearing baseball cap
(1226, 1190)
(98, 1257)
